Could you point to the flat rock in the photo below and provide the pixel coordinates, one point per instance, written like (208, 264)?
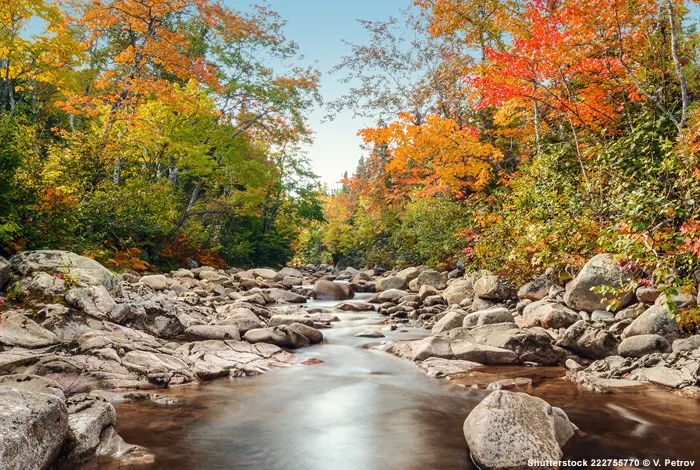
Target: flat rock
(18, 330)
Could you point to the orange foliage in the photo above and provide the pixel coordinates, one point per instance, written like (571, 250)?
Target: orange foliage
(128, 259)
(179, 249)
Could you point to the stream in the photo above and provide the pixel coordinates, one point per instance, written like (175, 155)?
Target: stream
(366, 409)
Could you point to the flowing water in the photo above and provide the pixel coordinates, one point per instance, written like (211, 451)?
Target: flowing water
(365, 409)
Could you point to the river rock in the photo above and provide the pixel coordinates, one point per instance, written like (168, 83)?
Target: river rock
(370, 334)
(438, 367)
(205, 332)
(549, 315)
(155, 281)
(482, 353)
(538, 288)
(292, 272)
(83, 271)
(450, 321)
(601, 270)
(95, 301)
(457, 291)
(686, 344)
(33, 426)
(641, 345)
(507, 429)
(281, 295)
(265, 273)
(329, 290)
(391, 295)
(588, 341)
(391, 282)
(488, 317)
(429, 277)
(281, 336)
(312, 334)
(656, 320)
(18, 330)
(493, 288)
(529, 345)
(243, 323)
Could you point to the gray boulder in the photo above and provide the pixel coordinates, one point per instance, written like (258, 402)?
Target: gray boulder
(329, 290)
(458, 291)
(281, 295)
(291, 272)
(538, 288)
(488, 317)
(83, 271)
(507, 429)
(601, 270)
(5, 271)
(95, 301)
(205, 332)
(450, 321)
(588, 341)
(391, 282)
(282, 336)
(656, 320)
(549, 315)
(18, 330)
(641, 345)
(493, 288)
(686, 344)
(33, 427)
(431, 278)
(312, 334)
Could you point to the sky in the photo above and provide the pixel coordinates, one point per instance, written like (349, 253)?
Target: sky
(319, 27)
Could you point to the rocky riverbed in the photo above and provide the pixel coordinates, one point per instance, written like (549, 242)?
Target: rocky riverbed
(76, 341)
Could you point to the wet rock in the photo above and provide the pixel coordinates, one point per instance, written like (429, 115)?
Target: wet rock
(18, 330)
(641, 345)
(155, 281)
(601, 270)
(656, 320)
(438, 367)
(81, 270)
(493, 288)
(281, 336)
(448, 322)
(507, 429)
(33, 427)
(205, 332)
(588, 341)
(370, 334)
(329, 290)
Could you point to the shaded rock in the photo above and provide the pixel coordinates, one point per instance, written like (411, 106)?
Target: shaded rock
(205, 332)
(33, 427)
(243, 323)
(601, 270)
(493, 288)
(641, 345)
(39, 286)
(391, 282)
(647, 295)
(18, 330)
(538, 288)
(329, 290)
(83, 271)
(588, 341)
(656, 320)
(5, 271)
(507, 429)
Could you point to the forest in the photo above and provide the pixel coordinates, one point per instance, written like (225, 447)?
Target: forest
(508, 135)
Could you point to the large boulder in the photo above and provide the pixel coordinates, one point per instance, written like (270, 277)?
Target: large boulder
(95, 301)
(493, 288)
(656, 320)
(290, 272)
(507, 429)
(429, 277)
(641, 345)
(548, 315)
(588, 341)
(33, 426)
(285, 296)
(329, 290)
(529, 345)
(488, 317)
(601, 270)
(265, 273)
(458, 291)
(79, 269)
(391, 282)
(18, 330)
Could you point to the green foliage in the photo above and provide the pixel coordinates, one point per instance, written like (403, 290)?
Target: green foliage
(245, 243)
